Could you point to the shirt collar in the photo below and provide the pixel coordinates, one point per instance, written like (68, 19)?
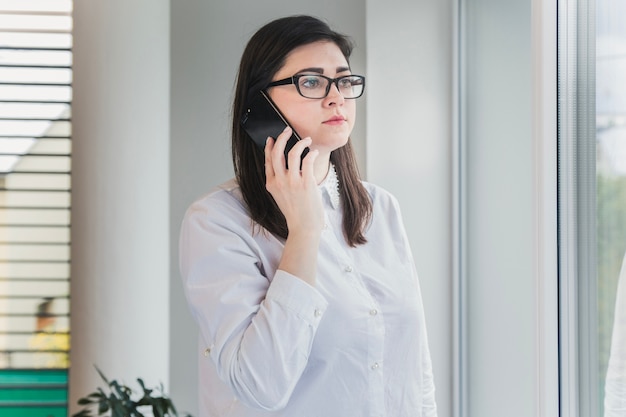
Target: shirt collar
(330, 186)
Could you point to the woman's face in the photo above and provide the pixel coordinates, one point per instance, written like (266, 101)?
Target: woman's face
(328, 121)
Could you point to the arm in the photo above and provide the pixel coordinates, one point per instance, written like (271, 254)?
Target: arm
(260, 333)
(297, 195)
(259, 328)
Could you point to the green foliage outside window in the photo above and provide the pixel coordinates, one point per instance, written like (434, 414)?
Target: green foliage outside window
(611, 247)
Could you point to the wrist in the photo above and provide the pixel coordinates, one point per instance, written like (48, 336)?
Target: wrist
(307, 232)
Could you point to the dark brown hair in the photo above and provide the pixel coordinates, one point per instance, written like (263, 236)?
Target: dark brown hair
(262, 58)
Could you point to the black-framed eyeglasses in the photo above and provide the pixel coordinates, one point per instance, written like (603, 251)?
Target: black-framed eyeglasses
(318, 86)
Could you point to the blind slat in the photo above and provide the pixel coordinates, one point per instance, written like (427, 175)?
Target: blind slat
(35, 177)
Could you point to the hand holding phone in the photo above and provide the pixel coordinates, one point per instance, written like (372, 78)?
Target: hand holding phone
(263, 119)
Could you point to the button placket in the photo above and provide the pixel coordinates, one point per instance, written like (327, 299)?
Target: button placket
(326, 226)
(207, 351)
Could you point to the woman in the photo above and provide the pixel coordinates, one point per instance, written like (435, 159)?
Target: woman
(301, 280)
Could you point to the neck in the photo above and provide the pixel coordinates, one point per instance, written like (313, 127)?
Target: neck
(322, 164)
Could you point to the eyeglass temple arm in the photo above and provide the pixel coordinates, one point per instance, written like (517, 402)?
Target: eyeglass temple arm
(284, 81)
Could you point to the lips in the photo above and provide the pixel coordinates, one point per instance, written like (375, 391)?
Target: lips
(336, 120)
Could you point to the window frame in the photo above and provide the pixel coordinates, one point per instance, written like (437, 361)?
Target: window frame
(544, 208)
(576, 206)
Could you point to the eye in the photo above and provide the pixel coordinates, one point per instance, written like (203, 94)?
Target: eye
(310, 82)
(347, 82)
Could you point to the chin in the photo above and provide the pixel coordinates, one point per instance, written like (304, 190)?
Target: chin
(329, 146)
(340, 139)
(344, 141)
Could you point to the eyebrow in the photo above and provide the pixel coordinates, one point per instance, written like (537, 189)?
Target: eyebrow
(321, 70)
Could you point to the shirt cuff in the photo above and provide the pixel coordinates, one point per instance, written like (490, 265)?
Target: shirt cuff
(297, 296)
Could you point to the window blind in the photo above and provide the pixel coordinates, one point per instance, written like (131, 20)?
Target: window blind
(35, 184)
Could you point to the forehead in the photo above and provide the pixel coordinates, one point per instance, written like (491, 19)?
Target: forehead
(326, 55)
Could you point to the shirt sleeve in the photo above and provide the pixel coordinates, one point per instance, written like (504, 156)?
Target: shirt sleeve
(258, 329)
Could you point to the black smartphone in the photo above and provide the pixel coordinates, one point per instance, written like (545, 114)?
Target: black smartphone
(263, 119)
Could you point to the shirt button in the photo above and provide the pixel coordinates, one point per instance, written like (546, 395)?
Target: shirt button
(207, 352)
(373, 312)
(375, 365)
(348, 268)
(317, 312)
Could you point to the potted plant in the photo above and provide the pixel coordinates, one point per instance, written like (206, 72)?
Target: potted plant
(118, 400)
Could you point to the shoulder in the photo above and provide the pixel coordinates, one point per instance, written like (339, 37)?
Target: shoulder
(222, 203)
(386, 212)
(381, 198)
(227, 193)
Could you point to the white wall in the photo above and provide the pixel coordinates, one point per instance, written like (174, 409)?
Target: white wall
(409, 149)
(120, 214)
(510, 139)
(499, 179)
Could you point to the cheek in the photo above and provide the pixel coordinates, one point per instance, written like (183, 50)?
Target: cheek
(351, 112)
(300, 118)
(295, 111)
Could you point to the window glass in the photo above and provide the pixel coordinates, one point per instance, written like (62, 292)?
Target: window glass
(611, 204)
(592, 207)
(35, 167)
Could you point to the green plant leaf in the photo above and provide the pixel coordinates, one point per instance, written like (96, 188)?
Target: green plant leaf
(136, 413)
(102, 375)
(170, 404)
(158, 411)
(123, 392)
(85, 401)
(96, 395)
(118, 409)
(119, 402)
(147, 391)
(145, 400)
(103, 398)
(103, 406)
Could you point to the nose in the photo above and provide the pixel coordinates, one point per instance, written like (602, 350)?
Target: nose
(334, 97)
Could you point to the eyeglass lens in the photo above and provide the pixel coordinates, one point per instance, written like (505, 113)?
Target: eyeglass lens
(315, 86)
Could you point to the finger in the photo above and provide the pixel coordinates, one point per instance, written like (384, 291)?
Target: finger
(308, 164)
(295, 154)
(278, 150)
(269, 169)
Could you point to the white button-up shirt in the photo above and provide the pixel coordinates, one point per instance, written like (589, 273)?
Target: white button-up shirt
(354, 345)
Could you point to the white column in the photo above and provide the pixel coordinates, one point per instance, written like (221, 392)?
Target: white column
(120, 194)
(501, 239)
(409, 149)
